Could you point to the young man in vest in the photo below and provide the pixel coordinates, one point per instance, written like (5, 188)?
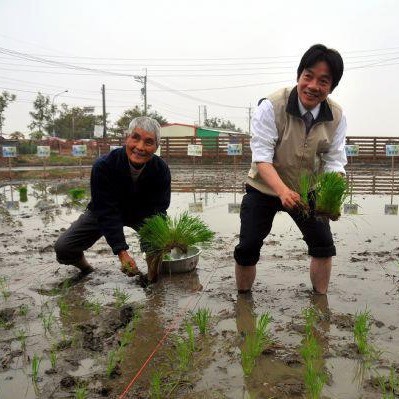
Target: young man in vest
(294, 131)
(127, 185)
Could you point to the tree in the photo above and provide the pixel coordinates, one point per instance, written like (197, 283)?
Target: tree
(76, 123)
(36, 135)
(123, 122)
(17, 136)
(221, 124)
(42, 116)
(5, 99)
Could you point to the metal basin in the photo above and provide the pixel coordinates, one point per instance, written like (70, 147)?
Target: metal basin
(182, 264)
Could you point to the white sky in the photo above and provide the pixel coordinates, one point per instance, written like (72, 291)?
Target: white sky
(190, 46)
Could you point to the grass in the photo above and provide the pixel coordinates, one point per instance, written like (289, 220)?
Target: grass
(129, 332)
(94, 306)
(21, 337)
(311, 352)
(255, 343)
(112, 362)
(121, 297)
(77, 194)
(306, 184)
(361, 331)
(64, 307)
(390, 385)
(160, 234)
(23, 310)
(190, 333)
(156, 391)
(4, 288)
(330, 189)
(36, 360)
(47, 317)
(201, 319)
(183, 352)
(81, 391)
(331, 192)
(53, 358)
(23, 193)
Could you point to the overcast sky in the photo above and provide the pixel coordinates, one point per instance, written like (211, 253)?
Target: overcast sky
(222, 54)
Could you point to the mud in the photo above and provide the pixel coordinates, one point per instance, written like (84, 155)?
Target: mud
(49, 308)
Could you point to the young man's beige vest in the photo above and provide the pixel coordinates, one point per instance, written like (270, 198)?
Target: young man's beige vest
(296, 152)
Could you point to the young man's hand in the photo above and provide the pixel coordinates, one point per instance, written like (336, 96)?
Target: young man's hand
(289, 199)
(128, 264)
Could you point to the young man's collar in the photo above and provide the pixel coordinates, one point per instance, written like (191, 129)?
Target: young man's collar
(315, 111)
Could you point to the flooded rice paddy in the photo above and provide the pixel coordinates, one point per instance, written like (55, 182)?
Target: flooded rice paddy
(106, 335)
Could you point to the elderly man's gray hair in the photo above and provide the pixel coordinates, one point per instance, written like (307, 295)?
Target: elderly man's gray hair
(148, 124)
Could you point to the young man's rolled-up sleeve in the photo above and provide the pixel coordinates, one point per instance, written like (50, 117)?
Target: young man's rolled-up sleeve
(264, 133)
(335, 159)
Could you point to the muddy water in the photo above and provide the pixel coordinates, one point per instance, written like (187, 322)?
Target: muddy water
(365, 276)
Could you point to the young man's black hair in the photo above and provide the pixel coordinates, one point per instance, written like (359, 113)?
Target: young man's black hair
(319, 52)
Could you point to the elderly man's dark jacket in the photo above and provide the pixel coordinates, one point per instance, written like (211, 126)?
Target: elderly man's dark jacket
(119, 201)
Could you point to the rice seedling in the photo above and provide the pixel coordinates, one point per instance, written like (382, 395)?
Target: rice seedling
(183, 353)
(23, 194)
(331, 191)
(190, 333)
(156, 391)
(390, 385)
(255, 343)
(361, 332)
(81, 391)
(53, 358)
(306, 184)
(77, 194)
(36, 360)
(112, 362)
(64, 307)
(310, 316)
(4, 288)
(128, 333)
(21, 337)
(201, 319)
(314, 381)
(93, 305)
(310, 350)
(23, 310)
(121, 297)
(160, 234)
(47, 317)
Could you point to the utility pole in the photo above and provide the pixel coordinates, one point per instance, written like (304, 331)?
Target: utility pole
(143, 81)
(199, 115)
(104, 113)
(249, 119)
(205, 113)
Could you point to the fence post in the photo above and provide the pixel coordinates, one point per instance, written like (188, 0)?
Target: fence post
(375, 148)
(217, 148)
(374, 188)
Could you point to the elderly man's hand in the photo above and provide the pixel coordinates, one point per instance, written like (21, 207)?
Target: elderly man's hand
(289, 198)
(128, 265)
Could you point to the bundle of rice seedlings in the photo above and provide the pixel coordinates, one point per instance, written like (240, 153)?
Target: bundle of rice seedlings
(160, 234)
(77, 194)
(306, 185)
(331, 192)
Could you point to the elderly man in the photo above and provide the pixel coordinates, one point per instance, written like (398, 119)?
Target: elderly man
(127, 185)
(295, 130)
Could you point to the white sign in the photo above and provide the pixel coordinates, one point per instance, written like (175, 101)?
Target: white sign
(114, 147)
(98, 131)
(9, 152)
(392, 150)
(352, 150)
(43, 151)
(194, 150)
(79, 150)
(234, 149)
